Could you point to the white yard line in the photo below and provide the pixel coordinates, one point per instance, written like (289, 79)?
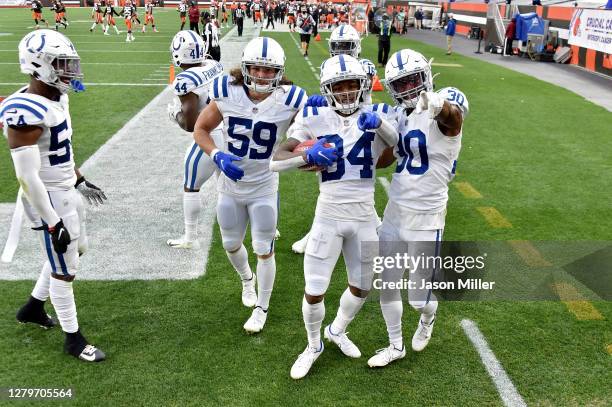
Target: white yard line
(508, 393)
(314, 72)
(385, 183)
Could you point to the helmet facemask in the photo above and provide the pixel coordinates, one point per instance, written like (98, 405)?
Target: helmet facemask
(67, 72)
(406, 89)
(255, 82)
(348, 47)
(345, 101)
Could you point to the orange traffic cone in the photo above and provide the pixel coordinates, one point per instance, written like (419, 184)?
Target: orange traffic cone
(377, 86)
(318, 37)
(171, 77)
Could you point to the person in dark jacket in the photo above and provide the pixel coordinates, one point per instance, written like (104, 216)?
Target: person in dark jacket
(450, 33)
(510, 33)
(384, 40)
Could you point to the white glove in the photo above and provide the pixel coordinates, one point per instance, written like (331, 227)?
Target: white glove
(431, 101)
(174, 108)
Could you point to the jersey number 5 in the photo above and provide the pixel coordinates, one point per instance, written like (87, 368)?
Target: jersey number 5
(55, 146)
(264, 135)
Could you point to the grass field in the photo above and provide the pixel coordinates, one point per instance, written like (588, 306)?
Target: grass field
(537, 157)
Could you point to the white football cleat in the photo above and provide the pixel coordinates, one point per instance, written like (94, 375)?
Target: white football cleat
(249, 294)
(300, 246)
(277, 234)
(344, 343)
(183, 243)
(387, 355)
(422, 335)
(304, 362)
(257, 321)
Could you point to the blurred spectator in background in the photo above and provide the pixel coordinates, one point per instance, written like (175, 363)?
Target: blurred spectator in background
(510, 32)
(194, 17)
(384, 40)
(418, 19)
(450, 33)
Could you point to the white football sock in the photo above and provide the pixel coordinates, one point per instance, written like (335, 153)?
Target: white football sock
(313, 318)
(192, 205)
(428, 312)
(93, 26)
(392, 312)
(240, 261)
(349, 307)
(116, 30)
(62, 299)
(41, 289)
(266, 271)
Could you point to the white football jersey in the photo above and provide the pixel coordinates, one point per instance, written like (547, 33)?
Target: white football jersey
(351, 180)
(197, 80)
(252, 131)
(56, 155)
(426, 162)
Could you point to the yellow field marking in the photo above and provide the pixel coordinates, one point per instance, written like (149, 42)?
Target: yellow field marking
(494, 218)
(467, 190)
(582, 309)
(530, 255)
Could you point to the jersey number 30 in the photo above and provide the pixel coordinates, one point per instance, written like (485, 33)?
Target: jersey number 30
(240, 147)
(405, 151)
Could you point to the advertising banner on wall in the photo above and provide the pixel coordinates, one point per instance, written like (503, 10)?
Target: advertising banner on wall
(592, 29)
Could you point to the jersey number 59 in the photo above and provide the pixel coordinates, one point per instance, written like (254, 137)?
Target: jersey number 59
(239, 146)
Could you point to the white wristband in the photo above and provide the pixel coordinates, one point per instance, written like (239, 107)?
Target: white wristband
(212, 153)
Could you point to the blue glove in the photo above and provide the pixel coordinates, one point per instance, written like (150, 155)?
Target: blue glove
(224, 162)
(320, 155)
(316, 101)
(368, 121)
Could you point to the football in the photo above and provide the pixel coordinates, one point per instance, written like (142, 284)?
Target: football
(305, 146)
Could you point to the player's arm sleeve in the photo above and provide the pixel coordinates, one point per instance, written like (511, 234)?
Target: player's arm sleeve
(27, 168)
(388, 129)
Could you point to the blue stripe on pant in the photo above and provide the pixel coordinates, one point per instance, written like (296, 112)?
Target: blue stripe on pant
(187, 161)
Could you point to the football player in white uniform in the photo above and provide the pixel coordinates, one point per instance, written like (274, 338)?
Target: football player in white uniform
(430, 126)
(38, 127)
(344, 40)
(191, 97)
(345, 216)
(256, 105)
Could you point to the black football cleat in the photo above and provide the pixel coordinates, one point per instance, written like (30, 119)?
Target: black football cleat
(33, 312)
(77, 346)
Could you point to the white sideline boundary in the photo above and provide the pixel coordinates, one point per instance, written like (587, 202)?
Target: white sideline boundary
(141, 170)
(508, 393)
